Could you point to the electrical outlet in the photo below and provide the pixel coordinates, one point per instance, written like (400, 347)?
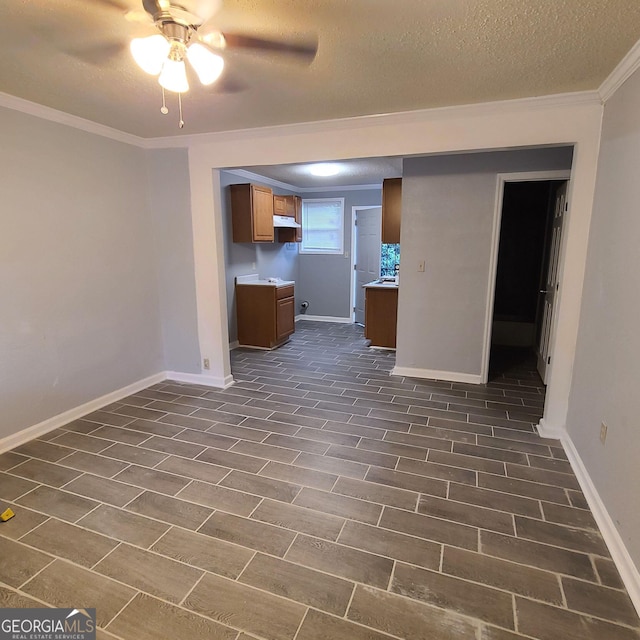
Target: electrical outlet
(603, 432)
(206, 364)
(421, 266)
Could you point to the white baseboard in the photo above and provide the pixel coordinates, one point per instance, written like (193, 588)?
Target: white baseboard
(233, 345)
(324, 319)
(548, 431)
(433, 374)
(16, 439)
(55, 422)
(628, 571)
(200, 378)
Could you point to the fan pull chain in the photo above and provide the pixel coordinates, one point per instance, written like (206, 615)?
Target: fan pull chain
(181, 121)
(163, 108)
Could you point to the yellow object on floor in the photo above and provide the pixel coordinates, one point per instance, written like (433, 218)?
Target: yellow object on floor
(6, 515)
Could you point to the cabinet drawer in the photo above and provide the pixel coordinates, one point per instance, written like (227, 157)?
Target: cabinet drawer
(284, 292)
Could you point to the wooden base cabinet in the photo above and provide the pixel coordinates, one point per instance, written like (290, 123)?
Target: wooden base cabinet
(380, 316)
(265, 314)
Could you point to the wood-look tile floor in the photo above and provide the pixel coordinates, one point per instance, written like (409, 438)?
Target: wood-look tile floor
(319, 498)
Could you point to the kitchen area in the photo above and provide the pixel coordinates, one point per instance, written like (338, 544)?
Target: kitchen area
(268, 278)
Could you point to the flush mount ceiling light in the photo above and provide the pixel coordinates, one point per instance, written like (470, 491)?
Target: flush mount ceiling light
(324, 169)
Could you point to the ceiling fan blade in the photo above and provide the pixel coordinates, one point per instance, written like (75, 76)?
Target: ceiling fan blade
(120, 5)
(138, 16)
(303, 49)
(96, 54)
(229, 83)
(152, 7)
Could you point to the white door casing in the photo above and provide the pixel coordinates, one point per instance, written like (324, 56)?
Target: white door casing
(367, 239)
(502, 179)
(551, 282)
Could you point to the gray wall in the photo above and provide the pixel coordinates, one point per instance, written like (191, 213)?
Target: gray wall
(276, 259)
(325, 281)
(170, 202)
(448, 203)
(80, 314)
(607, 364)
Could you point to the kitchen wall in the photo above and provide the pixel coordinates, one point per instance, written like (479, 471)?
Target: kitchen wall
(170, 202)
(325, 281)
(607, 366)
(80, 311)
(267, 259)
(448, 204)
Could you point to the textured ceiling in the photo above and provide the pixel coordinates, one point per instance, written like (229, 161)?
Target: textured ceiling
(351, 172)
(374, 56)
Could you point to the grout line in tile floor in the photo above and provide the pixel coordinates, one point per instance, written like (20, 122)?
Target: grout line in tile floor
(150, 550)
(37, 573)
(230, 471)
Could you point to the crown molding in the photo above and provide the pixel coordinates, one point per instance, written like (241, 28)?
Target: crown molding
(574, 99)
(320, 126)
(347, 187)
(256, 177)
(53, 115)
(627, 66)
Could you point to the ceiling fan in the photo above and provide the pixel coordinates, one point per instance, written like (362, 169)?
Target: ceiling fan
(184, 32)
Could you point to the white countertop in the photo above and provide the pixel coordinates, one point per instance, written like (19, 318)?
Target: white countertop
(376, 284)
(254, 279)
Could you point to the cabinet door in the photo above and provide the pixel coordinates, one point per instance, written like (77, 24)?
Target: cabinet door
(293, 209)
(297, 201)
(290, 206)
(285, 318)
(381, 312)
(391, 210)
(262, 210)
(280, 205)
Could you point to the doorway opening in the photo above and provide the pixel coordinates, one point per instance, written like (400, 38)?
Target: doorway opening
(527, 256)
(366, 233)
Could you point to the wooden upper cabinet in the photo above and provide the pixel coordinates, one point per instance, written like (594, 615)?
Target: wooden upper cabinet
(280, 205)
(297, 212)
(252, 213)
(293, 209)
(391, 210)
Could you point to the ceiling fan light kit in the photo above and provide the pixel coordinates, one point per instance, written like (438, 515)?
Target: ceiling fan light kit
(150, 53)
(173, 76)
(164, 54)
(206, 64)
(154, 54)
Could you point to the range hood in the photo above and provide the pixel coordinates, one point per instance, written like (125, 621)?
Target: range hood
(286, 222)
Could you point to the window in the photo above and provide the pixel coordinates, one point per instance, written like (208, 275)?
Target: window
(389, 258)
(323, 226)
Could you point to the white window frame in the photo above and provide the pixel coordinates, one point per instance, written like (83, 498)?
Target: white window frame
(326, 252)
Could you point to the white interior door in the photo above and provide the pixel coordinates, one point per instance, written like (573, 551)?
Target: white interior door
(551, 283)
(368, 233)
